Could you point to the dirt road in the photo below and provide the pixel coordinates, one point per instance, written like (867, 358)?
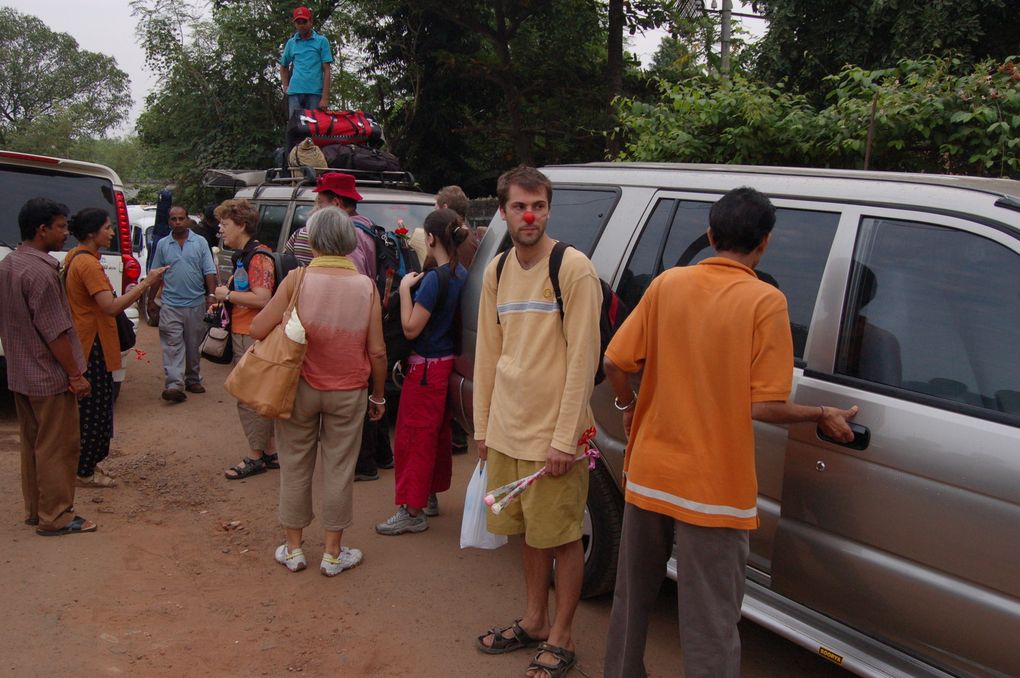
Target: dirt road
(163, 588)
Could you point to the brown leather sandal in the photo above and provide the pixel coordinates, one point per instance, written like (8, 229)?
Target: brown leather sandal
(565, 660)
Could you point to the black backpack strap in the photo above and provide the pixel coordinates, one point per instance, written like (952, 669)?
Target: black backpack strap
(499, 272)
(444, 287)
(555, 262)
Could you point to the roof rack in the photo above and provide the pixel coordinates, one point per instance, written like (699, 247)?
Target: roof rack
(230, 178)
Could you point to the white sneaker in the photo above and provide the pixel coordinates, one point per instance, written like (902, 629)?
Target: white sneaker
(292, 560)
(402, 521)
(432, 507)
(347, 559)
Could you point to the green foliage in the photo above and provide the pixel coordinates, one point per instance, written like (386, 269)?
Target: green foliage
(808, 40)
(931, 115)
(480, 86)
(52, 92)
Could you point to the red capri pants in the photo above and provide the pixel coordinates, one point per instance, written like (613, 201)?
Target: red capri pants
(422, 445)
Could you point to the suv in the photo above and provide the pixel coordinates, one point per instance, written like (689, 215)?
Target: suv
(896, 554)
(77, 185)
(284, 203)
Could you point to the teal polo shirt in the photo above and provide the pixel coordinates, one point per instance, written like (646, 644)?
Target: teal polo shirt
(184, 283)
(307, 57)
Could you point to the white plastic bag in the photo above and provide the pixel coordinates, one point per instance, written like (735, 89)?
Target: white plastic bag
(473, 532)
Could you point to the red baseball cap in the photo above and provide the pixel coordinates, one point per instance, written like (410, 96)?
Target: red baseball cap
(303, 13)
(339, 183)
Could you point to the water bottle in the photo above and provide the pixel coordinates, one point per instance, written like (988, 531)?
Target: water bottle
(240, 278)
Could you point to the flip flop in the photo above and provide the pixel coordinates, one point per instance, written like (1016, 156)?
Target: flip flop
(501, 644)
(77, 526)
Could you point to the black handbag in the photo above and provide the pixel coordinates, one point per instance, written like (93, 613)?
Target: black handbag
(125, 331)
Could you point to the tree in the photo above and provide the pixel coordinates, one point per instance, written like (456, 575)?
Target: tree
(50, 87)
(808, 40)
(930, 115)
(480, 86)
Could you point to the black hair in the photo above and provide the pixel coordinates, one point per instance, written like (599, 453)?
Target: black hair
(210, 212)
(741, 220)
(38, 212)
(446, 227)
(87, 221)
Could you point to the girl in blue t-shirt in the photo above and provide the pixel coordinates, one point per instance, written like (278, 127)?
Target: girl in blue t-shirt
(422, 446)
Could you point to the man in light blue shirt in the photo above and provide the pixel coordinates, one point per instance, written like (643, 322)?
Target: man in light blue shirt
(305, 66)
(187, 288)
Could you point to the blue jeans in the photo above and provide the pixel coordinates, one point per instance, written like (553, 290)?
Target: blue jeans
(299, 102)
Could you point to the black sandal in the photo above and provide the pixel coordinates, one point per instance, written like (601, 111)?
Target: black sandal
(272, 461)
(501, 644)
(565, 660)
(247, 468)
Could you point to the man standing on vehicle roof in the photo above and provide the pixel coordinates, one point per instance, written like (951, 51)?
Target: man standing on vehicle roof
(187, 289)
(534, 373)
(689, 465)
(305, 66)
(45, 367)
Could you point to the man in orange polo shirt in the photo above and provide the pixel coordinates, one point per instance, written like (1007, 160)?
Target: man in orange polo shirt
(715, 346)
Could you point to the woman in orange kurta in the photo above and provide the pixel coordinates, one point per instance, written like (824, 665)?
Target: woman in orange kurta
(93, 310)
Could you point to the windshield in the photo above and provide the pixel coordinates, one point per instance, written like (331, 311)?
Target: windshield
(18, 185)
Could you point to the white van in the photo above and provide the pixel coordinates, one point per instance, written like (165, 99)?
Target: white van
(77, 185)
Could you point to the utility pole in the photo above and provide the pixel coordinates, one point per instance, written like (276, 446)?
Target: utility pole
(724, 52)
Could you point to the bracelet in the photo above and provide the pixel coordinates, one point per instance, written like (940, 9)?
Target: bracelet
(376, 402)
(629, 406)
(821, 409)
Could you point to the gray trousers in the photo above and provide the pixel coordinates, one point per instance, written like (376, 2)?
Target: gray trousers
(181, 331)
(257, 429)
(710, 589)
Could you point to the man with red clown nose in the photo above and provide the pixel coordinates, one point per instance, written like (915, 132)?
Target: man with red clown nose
(534, 373)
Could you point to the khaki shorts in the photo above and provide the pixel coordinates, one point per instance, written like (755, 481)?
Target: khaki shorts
(549, 513)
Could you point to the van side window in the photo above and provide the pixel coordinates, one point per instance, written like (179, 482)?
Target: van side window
(934, 310)
(300, 218)
(794, 262)
(577, 216)
(646, 258)
(271, 219)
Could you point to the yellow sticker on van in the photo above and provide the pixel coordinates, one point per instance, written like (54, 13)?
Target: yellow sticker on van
(831, 656)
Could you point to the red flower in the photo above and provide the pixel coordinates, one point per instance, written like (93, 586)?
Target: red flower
(402, 232)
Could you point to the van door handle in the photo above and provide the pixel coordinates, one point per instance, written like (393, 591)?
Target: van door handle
(862, 437)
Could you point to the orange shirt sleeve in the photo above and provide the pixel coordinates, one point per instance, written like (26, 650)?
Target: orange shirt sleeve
(91, 274)
(772, 352)
(261, 272)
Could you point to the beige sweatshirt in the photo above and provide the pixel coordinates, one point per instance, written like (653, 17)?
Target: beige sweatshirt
(534, 372)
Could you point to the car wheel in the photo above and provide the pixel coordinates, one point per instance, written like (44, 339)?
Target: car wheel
(600, 535)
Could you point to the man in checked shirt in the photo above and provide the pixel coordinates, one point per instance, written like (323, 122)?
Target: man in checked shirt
(44, 369)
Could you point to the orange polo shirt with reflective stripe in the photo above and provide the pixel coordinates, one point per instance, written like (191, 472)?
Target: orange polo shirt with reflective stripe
(712, 339)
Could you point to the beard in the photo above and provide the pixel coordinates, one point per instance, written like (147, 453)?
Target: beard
(528, 237)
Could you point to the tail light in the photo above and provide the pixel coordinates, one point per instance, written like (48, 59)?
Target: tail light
(132, 269)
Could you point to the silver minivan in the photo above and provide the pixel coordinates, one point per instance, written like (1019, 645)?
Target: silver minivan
(896, 554)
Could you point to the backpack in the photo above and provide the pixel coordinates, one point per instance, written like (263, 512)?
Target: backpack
(612, 314)
(394, 258)
(283, 262)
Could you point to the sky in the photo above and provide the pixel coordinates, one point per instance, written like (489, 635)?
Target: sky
(107, 27)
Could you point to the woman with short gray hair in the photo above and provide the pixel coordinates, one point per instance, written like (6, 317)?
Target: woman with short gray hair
(340, 311)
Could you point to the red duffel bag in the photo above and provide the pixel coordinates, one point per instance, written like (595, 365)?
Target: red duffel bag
(330, 127)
